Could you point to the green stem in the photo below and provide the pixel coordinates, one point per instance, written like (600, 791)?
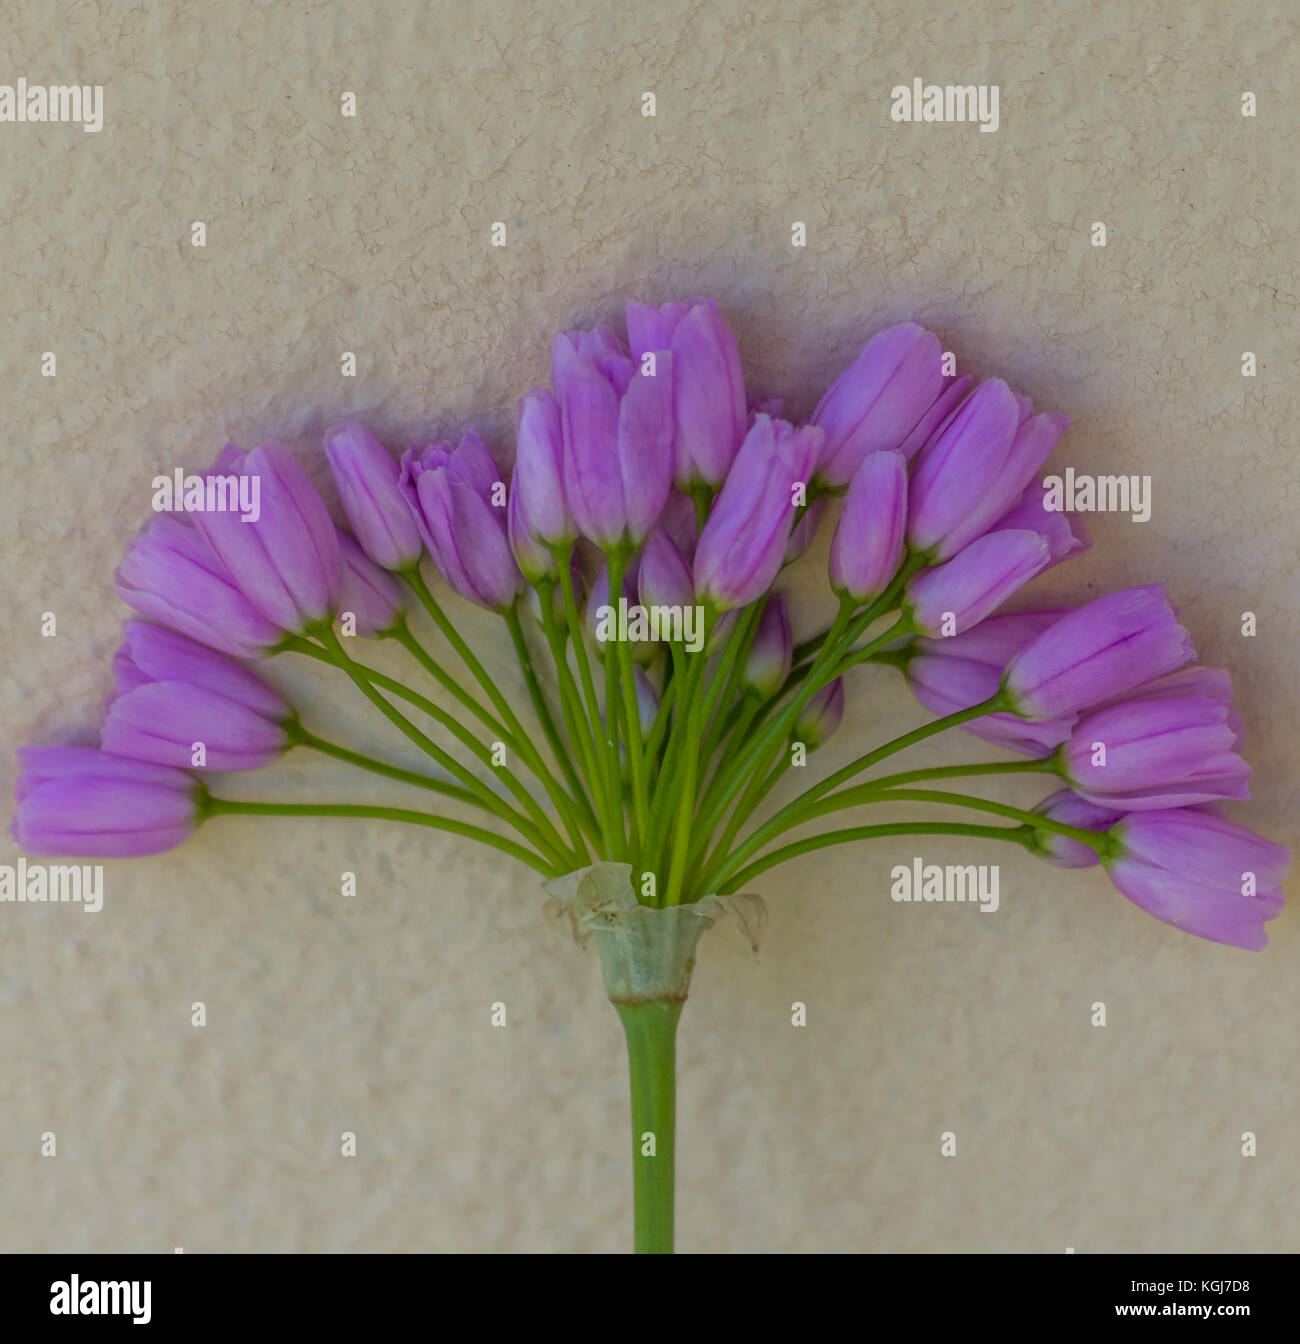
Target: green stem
(522, 743)
(575, 719)
(689, 754)
(402, 634)
(618, 669)
(651, 1032)
(305, 739)
(575, 810)
(1020, 835)
(1035, 767)
(872, 793)
(610, 793)
(791, 814)
(233, 806)
(448, 762)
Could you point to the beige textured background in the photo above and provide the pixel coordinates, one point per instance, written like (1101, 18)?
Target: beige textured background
(372, 1014)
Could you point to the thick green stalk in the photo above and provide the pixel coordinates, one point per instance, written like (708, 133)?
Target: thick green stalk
(651, 1032)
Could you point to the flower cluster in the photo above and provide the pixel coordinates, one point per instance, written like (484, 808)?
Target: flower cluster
(635, 554)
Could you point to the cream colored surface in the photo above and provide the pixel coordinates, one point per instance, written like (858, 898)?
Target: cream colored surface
(371, 1014)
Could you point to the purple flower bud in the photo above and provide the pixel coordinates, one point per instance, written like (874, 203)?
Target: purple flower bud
(868, 545)
(998, 639)
(603, 614)
(618, 436)
(709, 413)
(936, 419)
(539, 514)
(458, 499)
(1071, 810)
(647, 701)
(40, 765)
(1211, 682)
(287, 562)
(820, 716)
(876, 403)
(167, 722)
(975, 470)
(1064, 534)
(1155, 753)
(664, 577)
(151, 653)
(371, 594)
(946, 684)
(959, 594)
(172, 575)
(947, 675)
(366, 475)
(533, 595)
(76, 802)
(1200, 873)
(678, 520)
(771, 655)
(743, 544)
(803, 532)
(1097, 651)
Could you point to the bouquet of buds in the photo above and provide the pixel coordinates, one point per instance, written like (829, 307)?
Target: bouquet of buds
(674, 698)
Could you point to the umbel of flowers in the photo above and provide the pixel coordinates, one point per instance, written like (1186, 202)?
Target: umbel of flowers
(635, 556)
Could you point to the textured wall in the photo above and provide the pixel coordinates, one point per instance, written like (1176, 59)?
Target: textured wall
(370, 1013)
